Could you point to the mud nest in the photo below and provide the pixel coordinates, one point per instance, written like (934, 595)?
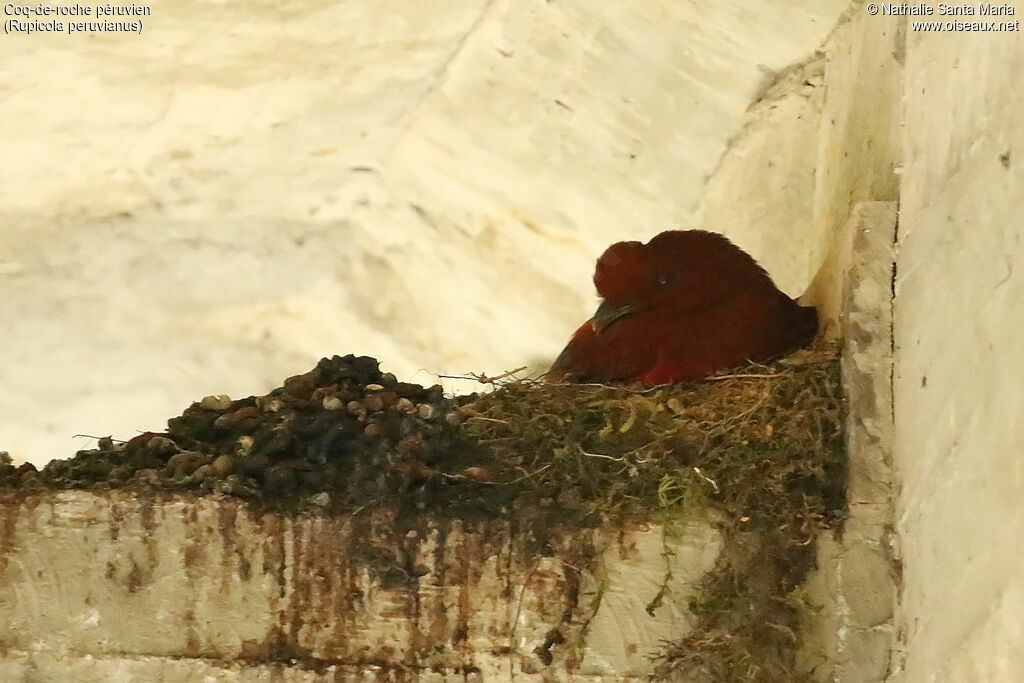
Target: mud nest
(762, 446)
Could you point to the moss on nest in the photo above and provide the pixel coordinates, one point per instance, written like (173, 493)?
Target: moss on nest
(760, 443)
(763, 445)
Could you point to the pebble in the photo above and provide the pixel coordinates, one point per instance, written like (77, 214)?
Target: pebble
(298, 386)
(185, 463)
(357, 409)
(216, 402)
(223, 465)
(244, 445)
(332, 403)
(226, 421)
(269, 404)
(162, 445)
(121, 473)
(404, 405)
(475, 473)
(235, 485)
(373, 403)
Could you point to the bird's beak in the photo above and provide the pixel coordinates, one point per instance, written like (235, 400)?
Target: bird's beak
(606, 314)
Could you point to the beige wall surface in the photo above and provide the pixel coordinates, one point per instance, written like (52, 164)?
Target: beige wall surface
(959, 310)
(108, 583)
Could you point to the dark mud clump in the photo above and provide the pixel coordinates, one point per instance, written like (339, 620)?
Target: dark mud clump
(340, 436)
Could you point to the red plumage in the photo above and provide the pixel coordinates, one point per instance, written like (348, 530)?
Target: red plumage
(681, 307)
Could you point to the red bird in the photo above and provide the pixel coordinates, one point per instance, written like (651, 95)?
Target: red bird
(681, 307)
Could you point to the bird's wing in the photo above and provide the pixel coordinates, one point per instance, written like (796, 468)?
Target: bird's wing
(616, 354)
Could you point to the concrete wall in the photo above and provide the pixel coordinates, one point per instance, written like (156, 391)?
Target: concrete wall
(110, 586)
(959, 402)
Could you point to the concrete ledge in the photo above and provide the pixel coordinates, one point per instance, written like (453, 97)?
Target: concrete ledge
(98, 585)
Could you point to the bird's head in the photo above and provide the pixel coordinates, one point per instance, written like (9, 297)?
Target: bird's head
(676, 271)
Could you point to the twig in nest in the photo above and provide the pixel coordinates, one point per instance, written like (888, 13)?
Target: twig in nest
(528, 475)
(482, 378)
(601, 455)
(488, 419)
(462, 477)
(625, 387)
(90, 436)
(774, 375)
(706, 478)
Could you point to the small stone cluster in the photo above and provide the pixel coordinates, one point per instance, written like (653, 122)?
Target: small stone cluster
(343, 431)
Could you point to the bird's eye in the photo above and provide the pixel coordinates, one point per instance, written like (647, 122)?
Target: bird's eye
(665, 278)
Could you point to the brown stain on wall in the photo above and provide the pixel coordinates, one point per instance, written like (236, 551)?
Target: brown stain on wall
(434, 589)
(9, 512)
(298, 606)
(147, 509)
(346, 606)
(116, 517)
(227, 526)
(346, 590)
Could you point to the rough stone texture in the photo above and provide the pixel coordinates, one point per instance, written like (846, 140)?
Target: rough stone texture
(105, 583)
(959, 308)
(859, 144)
(852, 637)
(823, 136)
(45, 666)
(764, 198)
(246, 187)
